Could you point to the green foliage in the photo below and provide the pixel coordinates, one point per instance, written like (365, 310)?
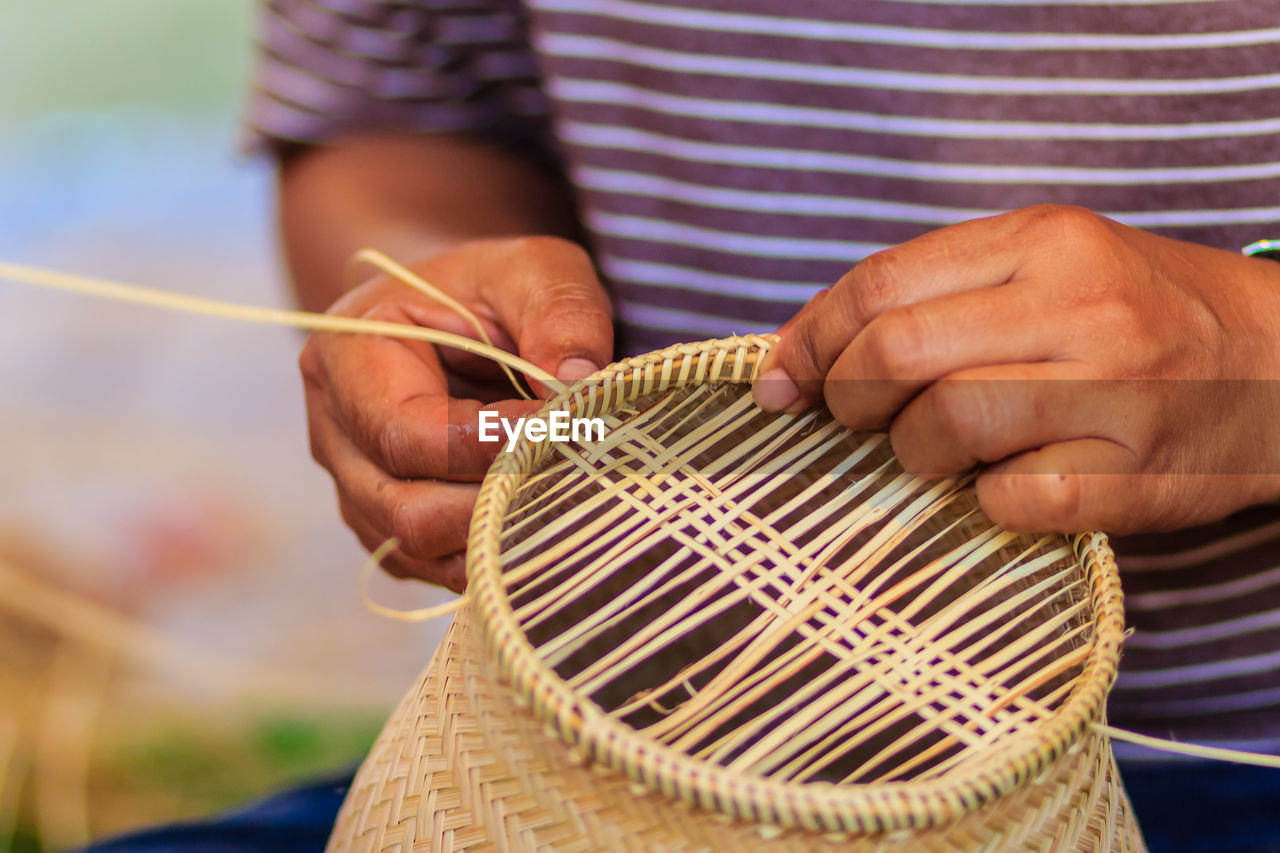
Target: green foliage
(179, 769)
(199, 771)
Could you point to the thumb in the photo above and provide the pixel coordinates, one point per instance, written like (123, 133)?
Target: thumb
(547, 296)
(789, 377)
(1068, 487)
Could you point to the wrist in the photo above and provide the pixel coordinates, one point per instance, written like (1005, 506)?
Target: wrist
(410, 197)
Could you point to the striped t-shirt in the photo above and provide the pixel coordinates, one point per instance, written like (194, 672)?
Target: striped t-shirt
(732, 157)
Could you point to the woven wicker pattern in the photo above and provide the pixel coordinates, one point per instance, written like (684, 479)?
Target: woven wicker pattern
(461, 767)
(723, 629)
(780, 598)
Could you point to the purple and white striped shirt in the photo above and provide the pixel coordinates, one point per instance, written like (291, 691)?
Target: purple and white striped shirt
(732, 157)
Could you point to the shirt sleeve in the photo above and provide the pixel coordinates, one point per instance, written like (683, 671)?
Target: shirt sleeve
(326, 68)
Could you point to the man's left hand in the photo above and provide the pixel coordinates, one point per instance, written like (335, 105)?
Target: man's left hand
(1107, 377)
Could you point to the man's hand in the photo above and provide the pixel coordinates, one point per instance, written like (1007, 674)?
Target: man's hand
(1110, 378)
(396, 422)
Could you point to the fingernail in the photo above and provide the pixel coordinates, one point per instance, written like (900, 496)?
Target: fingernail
(774, 391)
(573, 369)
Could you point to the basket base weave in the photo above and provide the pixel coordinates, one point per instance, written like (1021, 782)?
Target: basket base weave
(459, 767)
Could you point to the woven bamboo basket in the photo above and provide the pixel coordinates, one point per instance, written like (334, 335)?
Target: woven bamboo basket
(723, 629)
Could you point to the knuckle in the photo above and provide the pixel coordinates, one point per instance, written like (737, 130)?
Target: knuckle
(898, 344)
(1069, 223)
(874, 285)
(316, 447)
(392, 442)
(555, 253)
(309, 362)
(818, 298)
(567, 299)
(545, 244)
(963, 408)
(799, 355)
(408, 525)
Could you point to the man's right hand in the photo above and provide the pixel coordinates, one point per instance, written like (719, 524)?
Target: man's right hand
(396, 421)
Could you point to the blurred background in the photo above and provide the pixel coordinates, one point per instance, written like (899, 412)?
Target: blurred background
(179, 623)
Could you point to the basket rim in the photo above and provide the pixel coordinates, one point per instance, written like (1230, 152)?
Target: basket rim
(819, 806)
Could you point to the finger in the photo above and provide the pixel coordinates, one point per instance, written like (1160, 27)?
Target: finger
(390, 300)
(448, 571)
(545, 292)
(458, 361)
(967, 256)
(1069, 487)
(431, 518)
(392, 401)
(906, 348)
(987, 414)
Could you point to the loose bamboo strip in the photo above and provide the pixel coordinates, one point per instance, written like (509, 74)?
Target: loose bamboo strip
(420, 614)
(132, 293)
(1212, 753)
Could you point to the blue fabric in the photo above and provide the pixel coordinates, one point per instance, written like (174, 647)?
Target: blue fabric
(1196, 807)
(1183, 808)
(296, 821)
